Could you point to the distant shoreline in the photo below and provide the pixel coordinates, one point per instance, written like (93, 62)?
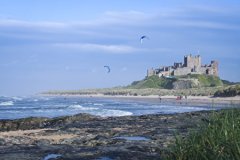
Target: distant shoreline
(190, 100)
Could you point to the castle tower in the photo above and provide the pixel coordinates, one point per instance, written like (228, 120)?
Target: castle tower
(214, 65)
(192, 62)
(151, 72)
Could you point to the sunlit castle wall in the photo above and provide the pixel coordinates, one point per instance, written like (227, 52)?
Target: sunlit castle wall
(192, 62)
(151, 72)
(182, 71)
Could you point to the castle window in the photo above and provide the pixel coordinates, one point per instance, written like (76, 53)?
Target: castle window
(207, 71)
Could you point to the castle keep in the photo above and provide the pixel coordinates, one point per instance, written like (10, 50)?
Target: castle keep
(191, 65)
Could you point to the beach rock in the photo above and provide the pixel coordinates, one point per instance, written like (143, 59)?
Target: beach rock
(34, 123)
(2, 142)
(22, 124)
(84, 136)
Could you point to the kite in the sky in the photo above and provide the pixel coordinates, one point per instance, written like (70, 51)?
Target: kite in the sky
(108, 68)
(143, 37)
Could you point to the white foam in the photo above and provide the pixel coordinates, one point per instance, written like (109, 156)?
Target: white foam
(52, 156)
(98, 104)
(17, 98)
(7, 103)
(79, 107)
(113, 113)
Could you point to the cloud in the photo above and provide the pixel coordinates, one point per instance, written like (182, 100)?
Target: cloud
(30, 24)
(107, 18)
(192, 16)
(125, 18)
(203, 24)
(97, 47)
(117, 32)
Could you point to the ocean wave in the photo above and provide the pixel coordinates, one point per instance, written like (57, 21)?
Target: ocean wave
(113, 113)
(7, 103)
(17, 98)
(97, 104)
(79, 107)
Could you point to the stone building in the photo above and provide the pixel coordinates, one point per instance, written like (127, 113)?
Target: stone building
(191, 65)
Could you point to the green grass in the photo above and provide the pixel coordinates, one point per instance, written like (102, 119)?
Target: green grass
(167, 83)
(203, 91)
(153, 82)
(218, 139)
(206, 80)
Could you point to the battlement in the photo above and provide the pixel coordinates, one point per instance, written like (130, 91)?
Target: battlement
(191, 65)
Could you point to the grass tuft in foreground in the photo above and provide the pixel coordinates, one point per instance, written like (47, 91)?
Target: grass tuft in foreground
(218, 138)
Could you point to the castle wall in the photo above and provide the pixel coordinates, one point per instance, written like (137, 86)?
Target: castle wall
(182, 71)
(164, 73)
(192, 62)
(151, 72)
(215, 67)
(203, 70)
(192, 65)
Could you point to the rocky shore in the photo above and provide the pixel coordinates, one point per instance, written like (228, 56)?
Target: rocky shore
(85, 137)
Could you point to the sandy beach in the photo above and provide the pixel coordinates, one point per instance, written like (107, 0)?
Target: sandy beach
(169, 99)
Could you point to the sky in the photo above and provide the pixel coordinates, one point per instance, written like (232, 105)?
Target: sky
(65, 44)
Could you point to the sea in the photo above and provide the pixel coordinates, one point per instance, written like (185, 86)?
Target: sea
(46, 106)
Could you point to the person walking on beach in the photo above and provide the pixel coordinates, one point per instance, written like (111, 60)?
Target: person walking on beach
(160, 98)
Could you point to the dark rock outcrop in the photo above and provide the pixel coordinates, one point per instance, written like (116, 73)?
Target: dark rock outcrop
(87, 137)
(35, 123)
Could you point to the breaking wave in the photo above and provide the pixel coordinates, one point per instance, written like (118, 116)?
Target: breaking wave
(101, 112)
(7, 103)
(77, 106)
(98, 104)
(113, 113)
(17, 98)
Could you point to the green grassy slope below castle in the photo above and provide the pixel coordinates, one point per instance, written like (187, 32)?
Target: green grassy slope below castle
(206, 80)
(167, 83)
(153, 82)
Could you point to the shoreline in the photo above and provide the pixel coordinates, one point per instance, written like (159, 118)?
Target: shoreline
(169, 99)
(84, 136)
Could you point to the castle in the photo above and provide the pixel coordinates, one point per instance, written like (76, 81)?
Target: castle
(191, 65)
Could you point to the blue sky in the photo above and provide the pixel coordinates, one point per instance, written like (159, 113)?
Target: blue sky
(63, 45)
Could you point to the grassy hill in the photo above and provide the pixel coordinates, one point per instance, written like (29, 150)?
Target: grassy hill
(169, 83)
(205, 86)
(206, 80)
(153, 82)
